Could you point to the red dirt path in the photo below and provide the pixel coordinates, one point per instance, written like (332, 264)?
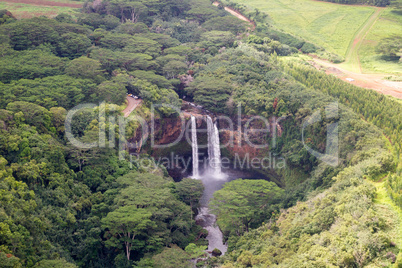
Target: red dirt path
(370, 81)
(44, 3)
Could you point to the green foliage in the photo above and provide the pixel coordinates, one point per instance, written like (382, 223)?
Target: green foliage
(73, 45)
(111, 91)
(132, 28)
(126, 222)
(51, 91)
(182, 30)
(31, 33)
(391, 48)
(228, 23)
(151, 77)
(143, 45)
(243, 204)
(308, 48)
(394, 187)
(112, 60)
(195, 251)
(54, 264)
(202, 13)
(85, 68)
(31, 113)
(330, 219)
(217, 38)
(61, 205)
(29, 65)
(210, 93)
(6, 16)
(96, 21)
(166, 101)
(172, 257)
(382, 111)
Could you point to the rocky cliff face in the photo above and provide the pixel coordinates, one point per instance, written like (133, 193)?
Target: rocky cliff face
(242, 139)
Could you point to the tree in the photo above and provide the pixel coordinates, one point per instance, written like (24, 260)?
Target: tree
(111, 91)
(96, 21)
(242, 203)
(179, 50)
(85, 68)
(143, 45)
(115, 40)
(151, 77)
(54, 264)
(163, 39)
(217, 38)
(391, 47)
(190, 191)
(196, 251)
(127, 11)
(172, 257)
(73, 45)
(61, 90)
(132, 28)
(228, 23)
(210, 93)
(124, 224)
(30, 64)
(163, 60)
(174, 68)
(34, 114)
(202, 13)
(112, 60)
(6, 16)
(31, 33)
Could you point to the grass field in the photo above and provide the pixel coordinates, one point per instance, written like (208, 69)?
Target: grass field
(48, 8)
(352, 32)
(387, 25)
(331, 26)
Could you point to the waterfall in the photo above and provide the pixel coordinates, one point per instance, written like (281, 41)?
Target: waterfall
(214, 150)
(194, 147)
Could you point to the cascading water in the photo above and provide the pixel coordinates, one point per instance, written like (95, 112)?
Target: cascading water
(213, 180)
(214, 150)
(194, 147)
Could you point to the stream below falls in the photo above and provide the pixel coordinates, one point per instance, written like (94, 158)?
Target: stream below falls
(206, 219)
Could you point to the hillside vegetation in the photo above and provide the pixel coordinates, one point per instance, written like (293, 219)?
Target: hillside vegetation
(68, 206)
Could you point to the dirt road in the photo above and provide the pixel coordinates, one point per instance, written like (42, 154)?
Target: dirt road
(370, 81)
(238, 15)
(352, 60)
(131, 105)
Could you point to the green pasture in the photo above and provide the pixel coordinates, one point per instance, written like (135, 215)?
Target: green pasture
(389, 24)
(21, 11)
(331, 26)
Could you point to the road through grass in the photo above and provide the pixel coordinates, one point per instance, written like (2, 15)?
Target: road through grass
(331, 26)
(352, 61)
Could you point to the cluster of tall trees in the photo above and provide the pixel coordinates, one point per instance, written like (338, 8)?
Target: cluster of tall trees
(383, 111)
(338, 202)
(391, 48)
(66, 206)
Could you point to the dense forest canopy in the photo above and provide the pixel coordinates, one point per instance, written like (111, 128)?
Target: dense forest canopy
(64, 206)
